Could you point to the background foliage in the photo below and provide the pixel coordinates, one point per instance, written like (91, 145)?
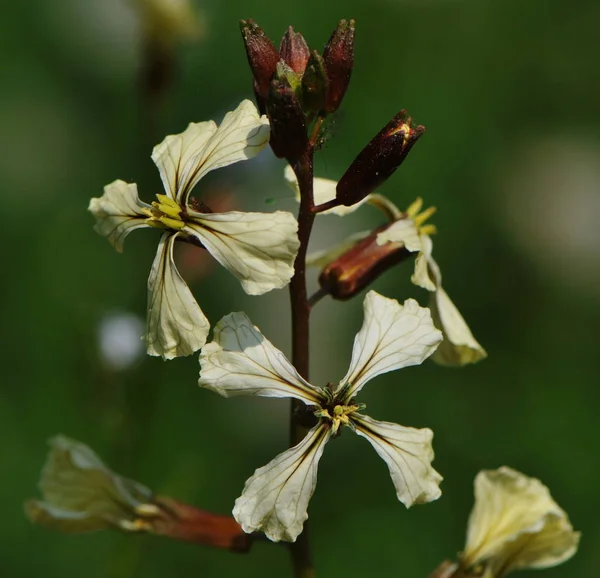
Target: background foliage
(509, 91)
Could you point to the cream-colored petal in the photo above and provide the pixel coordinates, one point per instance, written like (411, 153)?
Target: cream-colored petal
(422, 274)
(392, 336)
(275, 499)
(323, 192)
(241, 361)
(176, 324)
(183, 159)
(325, 256)
(80, 494)
(257, 248)
(515, 523)
(554, 544)
(408, 454)
(459, 347)
(177, 152)
(118, 212)
(402, 231)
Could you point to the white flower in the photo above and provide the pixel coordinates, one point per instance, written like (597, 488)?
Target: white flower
(459, 346)
(515, 524)
(241, 361)
(80, 494)
(408, 228)
(258, 248)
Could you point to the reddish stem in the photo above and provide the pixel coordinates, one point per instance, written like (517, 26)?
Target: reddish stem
(300, 307)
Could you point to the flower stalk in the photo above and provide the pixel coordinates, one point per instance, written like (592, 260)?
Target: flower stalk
(300, 309)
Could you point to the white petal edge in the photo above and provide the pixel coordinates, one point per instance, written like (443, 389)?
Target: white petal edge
(275, 499)
(183, 159)
(118, 212)
(392, 336)
(324, 190)
(408, 454)
(402, 231)
(509, 506)
(257, 248)
(241, 361)
(176, 325)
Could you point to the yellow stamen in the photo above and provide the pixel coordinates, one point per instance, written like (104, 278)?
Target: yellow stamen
(414, 212)
(422, 217)
(428, 230)
(165, 213)
(415, 207)
(167, 206)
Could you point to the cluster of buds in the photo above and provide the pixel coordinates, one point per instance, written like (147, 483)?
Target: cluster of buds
(294, 85)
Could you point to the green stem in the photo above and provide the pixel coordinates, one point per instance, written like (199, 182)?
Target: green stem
(300, 549)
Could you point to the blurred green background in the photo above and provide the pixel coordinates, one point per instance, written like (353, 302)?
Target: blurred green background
(509, 92)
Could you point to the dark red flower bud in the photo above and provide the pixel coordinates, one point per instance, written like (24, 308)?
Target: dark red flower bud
(288, 121)
(294, 51)
(262, 55)
(378, 160)
(314, 84)
(361, 265)
(338, 58)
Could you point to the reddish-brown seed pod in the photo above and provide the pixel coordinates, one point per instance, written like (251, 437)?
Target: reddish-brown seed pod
(358, 267)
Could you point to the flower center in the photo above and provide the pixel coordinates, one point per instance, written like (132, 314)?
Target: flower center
(420, 217)
(165, 213)
(338, 415)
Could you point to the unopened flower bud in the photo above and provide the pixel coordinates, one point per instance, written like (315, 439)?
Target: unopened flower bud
(294, 51)
(338, 58)
(288, 121)
(262, 55)
(361, 265)
(314, 84)
(378, 160)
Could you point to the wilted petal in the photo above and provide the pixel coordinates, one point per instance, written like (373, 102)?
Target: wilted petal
(118, 212)
(241, 361)
(459, 347)
(392, 336)
(421, 276)
(80, 494)
(257, 248)
(408, 455)
(516, 524)
(275, 498)
(183, 159)
(176, 324)
(323, 192)
(326, 256)
(402, 231)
